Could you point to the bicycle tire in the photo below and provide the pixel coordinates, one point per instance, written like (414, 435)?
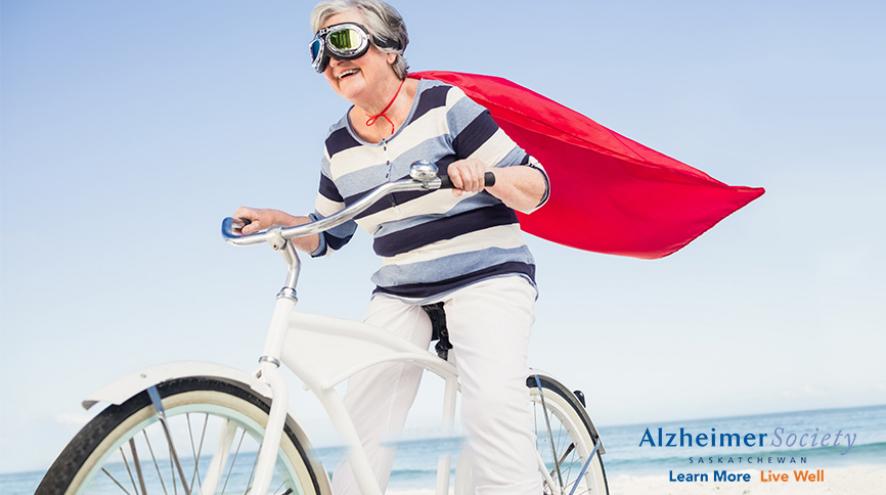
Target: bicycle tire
(79, 460)
(569, 405)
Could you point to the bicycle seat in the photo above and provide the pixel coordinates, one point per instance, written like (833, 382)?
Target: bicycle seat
(438, 329)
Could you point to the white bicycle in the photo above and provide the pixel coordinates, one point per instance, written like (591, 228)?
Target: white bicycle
(202, 428)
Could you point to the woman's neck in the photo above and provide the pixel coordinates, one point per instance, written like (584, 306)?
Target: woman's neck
(377, 97)
(395, 115)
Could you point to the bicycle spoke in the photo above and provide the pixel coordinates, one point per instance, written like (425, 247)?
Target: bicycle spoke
(252, 476)
(547, 482)
(128, 470)
(560, 459)
(173, 456)
(115, 481)
(229, 465)
(172, 470)
(551, 437)
(585, 465)
(233, 461)
(154, 458)
(574, 486)
(193, 448)
(569, 466)
(220, 457)
(567, 457)
(537, 446)
(563, 458)
(138, 468)
(196, 473)
(571, 485)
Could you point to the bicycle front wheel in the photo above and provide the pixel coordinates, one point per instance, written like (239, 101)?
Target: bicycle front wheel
(214, 430)
(565, 440)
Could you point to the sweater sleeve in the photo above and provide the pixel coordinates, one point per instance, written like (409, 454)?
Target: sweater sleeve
(474, 134)
(329, 201)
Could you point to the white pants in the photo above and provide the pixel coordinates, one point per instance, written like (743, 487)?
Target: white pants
(489, 324)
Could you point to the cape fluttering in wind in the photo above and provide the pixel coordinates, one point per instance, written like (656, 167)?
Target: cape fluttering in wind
(609, 194)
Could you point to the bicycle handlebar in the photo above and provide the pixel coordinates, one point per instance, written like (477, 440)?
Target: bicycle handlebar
(488, 180)
(423, 177)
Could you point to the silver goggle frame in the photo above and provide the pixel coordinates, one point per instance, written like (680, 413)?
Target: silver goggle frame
(320, 62)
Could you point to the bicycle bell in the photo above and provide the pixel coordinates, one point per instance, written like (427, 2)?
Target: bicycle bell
(423, 171)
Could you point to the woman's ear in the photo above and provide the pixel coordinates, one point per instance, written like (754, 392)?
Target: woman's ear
(392, 57)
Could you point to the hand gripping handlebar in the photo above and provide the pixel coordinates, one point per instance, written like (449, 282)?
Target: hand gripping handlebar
(423, 176)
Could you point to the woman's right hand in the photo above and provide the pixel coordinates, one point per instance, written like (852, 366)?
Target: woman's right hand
(259, 218)
(263, 218)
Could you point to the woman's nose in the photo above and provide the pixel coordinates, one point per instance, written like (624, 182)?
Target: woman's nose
(334, 63)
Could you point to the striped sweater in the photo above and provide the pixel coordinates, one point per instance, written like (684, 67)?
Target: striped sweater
(430, 243)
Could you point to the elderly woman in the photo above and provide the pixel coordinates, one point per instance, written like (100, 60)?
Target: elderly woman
(461, 247)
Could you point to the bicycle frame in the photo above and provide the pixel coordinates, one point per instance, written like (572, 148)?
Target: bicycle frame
(297, 341)
(304, 343)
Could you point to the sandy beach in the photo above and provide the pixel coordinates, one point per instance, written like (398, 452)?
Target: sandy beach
(854, 480)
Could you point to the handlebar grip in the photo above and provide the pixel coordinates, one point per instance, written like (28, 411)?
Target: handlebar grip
(231, 227)
(488, 180)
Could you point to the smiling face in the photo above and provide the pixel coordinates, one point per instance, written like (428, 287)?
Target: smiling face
(355, 79)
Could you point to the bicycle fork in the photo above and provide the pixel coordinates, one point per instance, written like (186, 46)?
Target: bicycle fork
(269, 371)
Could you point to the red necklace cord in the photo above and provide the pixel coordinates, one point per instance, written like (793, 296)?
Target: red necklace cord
(372, 118)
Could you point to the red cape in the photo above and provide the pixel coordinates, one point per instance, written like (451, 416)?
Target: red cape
(609, 194)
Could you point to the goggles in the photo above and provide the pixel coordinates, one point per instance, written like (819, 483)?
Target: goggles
(345, 41)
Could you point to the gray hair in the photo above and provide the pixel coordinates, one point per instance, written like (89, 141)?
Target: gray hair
(381, 19)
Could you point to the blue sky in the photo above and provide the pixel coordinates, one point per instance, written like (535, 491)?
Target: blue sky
(130, 129)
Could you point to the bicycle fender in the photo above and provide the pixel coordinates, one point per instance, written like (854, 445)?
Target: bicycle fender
(126, 386)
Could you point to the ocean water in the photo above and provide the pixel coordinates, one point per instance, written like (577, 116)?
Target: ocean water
(415, 466)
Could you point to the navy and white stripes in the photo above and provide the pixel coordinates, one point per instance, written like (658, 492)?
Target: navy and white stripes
(433, 242)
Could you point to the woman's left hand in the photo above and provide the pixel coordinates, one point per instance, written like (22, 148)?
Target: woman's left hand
(466, 175)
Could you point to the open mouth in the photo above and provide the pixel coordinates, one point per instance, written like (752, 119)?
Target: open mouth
(347, 73)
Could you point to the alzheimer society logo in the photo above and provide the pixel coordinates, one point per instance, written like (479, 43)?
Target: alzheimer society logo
(749, 451)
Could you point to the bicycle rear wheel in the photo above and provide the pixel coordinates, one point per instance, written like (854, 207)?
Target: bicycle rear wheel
(565, 440)
(215, 426)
